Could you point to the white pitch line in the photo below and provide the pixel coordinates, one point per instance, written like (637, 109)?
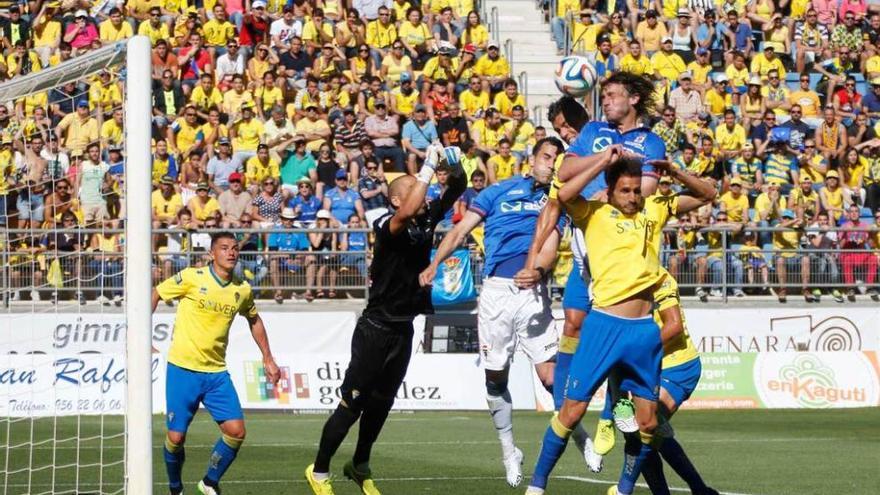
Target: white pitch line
(463, 442)
(603, 482)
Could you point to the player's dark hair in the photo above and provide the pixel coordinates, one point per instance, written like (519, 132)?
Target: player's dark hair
(221, 235)
(635, 85)
(552, 141)
(573, 112)
(624, 167)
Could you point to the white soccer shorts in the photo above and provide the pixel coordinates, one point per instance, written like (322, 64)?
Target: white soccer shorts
(507, 316)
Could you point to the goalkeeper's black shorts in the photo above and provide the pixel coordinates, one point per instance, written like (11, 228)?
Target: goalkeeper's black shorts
(380, 353)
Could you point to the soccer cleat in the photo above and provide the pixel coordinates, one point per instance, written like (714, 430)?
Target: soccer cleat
(513, 466)
(208, 489)
(594, 460)
(625, 416)
(533, 490)
(363, 480)
(612, 490)
(604, 437)
(319, 487)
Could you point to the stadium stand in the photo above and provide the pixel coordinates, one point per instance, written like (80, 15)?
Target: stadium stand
(295, 115)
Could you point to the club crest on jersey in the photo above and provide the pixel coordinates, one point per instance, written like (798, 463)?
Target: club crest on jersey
(203, 291)
(600, 143)
(237, 296)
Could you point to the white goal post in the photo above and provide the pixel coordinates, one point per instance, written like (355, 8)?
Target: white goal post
(138, 282)
(130, 59)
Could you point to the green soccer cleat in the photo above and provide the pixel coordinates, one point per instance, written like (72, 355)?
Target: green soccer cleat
(612, 490)
(319, 487)
(604, 437)
(363, 479)
(208, 489)
(625, 416)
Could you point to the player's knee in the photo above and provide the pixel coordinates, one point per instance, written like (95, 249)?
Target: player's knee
(176, 438)
(496, 388)
(234, 429)
(647, 424)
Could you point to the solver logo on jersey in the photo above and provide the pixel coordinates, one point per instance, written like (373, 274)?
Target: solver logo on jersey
(259, 389)
(817, 380)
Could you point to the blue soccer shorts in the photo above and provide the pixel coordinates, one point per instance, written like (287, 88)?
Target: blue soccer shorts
(576, 294)
(632, 347)
(681, 381)
(186, 389)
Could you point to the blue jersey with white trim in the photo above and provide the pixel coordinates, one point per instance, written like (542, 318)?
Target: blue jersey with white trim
(510, 212)
(596, 136)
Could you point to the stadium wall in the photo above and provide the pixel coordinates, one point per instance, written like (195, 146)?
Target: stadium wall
(57, 364)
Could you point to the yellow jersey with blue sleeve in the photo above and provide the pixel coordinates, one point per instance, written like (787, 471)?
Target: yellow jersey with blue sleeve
(207, 307)
(681, 349)
(621, 248)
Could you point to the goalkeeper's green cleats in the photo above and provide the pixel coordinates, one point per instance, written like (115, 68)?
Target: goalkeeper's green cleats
(363, 479)
(604, 437)
(319, 487)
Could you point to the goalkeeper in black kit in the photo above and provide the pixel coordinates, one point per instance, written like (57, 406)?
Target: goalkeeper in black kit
(382, 342)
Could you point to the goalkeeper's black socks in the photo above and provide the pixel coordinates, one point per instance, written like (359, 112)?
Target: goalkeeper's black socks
(372, 421)
(335, 430)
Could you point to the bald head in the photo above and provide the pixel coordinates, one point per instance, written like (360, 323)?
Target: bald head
(400, 188)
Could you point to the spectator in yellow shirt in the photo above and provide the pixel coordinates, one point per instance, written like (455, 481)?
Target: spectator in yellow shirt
(474, 100)
(381, 33)
(503, 165)
(114, 28)
(667, 64)
(205, 95)
(521, 134)
(635, 61)
(46, 33)
(509, 98)
(217, 32)
(78, 129)
(260, 167)
(649, 32)
(735, 203)
(730, 136)
(492, 68)
(153, 27)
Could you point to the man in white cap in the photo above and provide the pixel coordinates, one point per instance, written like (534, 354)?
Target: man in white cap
(492, 67)
(685, 99)
(667, 64)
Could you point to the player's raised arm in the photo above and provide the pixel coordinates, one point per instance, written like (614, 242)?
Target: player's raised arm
(573, 187)
(703, 190)
(450, 241)
(414, 201)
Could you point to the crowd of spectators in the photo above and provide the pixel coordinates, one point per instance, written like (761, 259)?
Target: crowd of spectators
(777, 101)
(272, 116)
(266, 115)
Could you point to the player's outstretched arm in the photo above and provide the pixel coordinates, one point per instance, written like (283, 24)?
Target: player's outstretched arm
(258, 332)
(545, 225)
(572, 165)
(573, 187)
(450, 241)
(703, 191)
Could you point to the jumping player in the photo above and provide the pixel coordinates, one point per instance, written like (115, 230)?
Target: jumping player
(622, 335)
(626, 100)
(507, 315)
(382, 342)
(210, 298)
(679, 376)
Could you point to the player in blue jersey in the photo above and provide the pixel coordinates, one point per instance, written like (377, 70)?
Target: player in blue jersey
(508, 315)
(625, 134)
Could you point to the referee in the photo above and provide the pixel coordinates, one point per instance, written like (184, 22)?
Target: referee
(382, 340)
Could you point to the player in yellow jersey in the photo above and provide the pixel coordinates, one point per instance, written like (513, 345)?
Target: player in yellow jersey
(679, 376)
(210, 298)
(623, 243)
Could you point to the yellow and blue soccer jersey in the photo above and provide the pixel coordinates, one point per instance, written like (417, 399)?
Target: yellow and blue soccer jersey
(622, 250)
(778, 169)
(510, 212)
(207, 307)
(681, 349)
(596, 136)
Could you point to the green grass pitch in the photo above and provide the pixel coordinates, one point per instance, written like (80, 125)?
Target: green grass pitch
(738, 452)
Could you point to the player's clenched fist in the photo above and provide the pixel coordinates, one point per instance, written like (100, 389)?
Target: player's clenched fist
(426, 278)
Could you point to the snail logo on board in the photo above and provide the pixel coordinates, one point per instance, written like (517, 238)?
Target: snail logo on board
(816, 381)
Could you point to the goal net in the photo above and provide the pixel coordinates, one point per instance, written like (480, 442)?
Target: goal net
(75, 360)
